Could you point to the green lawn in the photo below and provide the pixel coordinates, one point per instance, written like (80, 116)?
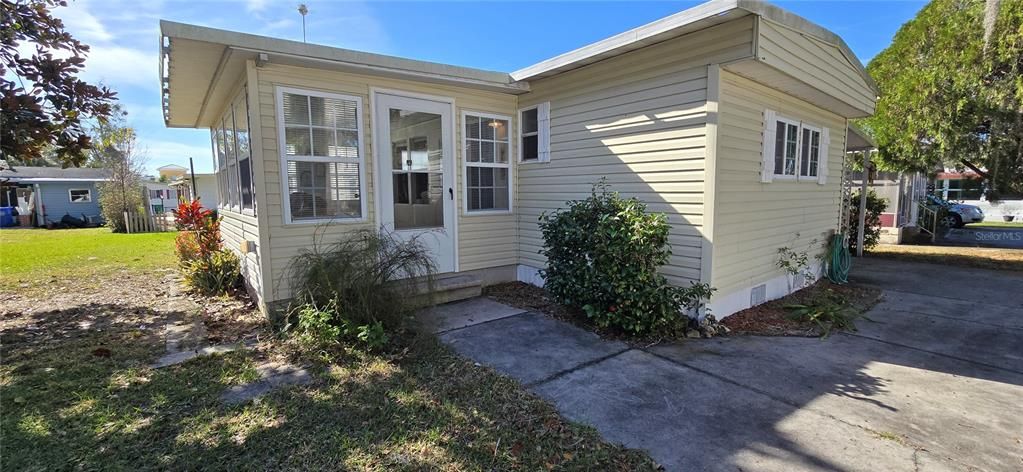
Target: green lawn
(996, 224)
(30, 258)
(77, 392)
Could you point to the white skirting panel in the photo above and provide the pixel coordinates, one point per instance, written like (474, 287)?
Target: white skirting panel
(529, 275)
(724, 304)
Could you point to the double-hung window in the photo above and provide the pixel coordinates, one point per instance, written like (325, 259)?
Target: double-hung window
(486, 141)
(535, 133)
(321, 156)
(793, 150)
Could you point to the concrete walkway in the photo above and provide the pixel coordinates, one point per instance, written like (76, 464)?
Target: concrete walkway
(933, 382)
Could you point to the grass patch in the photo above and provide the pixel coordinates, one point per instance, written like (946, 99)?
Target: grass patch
(31, 259)
(981, 258)
(77, 392)
(996, 224)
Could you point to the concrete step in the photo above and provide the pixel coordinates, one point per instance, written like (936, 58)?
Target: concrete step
(453, 287)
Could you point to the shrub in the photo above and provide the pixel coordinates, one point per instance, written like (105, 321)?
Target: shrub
(217, 274)
(318, 326)
(872, 227)
(199, 235)
(368, 279)
(603, 253)
(827, 309)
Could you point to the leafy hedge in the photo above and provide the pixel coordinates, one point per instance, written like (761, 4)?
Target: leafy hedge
(872, 225)
(603, 253)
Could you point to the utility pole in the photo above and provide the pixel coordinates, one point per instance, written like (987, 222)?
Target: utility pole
(302, 10)
(191, 167)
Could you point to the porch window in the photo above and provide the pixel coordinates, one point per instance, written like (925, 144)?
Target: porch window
(79, 195)
(793, 150)
(487, 171)
(321, 155)
(535, 133)
(233, 157)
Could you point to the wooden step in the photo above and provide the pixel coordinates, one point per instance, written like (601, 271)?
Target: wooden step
(453, 287)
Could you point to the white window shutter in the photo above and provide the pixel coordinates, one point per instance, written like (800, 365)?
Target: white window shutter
(767, 158)
(822, 159)
(543, 121)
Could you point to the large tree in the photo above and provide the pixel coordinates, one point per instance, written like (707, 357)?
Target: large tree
(952, 92)
(43, 103)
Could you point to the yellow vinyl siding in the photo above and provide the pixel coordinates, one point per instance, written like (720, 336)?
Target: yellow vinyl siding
(640, 121)
(818, 64)
(483, 241)
(754, 219)
(234, 229)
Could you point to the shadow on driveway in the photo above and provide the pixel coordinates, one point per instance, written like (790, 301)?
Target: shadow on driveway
(932, 381)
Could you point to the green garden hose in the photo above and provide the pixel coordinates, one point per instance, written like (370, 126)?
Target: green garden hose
(839, 260)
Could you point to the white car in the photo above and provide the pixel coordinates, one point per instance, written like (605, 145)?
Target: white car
(958, 213)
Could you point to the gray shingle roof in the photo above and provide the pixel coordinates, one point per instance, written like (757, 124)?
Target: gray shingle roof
(55, 173)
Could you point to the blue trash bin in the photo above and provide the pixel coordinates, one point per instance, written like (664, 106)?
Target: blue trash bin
(6, 217)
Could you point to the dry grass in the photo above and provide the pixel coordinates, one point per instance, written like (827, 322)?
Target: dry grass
(981, 258)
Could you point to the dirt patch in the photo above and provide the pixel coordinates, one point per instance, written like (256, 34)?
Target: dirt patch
(981, 258)
(772, 319)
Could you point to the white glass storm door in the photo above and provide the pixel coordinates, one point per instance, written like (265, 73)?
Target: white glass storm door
(415, 174)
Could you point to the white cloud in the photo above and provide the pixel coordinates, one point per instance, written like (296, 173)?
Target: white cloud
(118, 66)
(82, 23)
(255, 6)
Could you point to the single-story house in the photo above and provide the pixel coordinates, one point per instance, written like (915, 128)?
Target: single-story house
(49, 193)
(729, 117)
(205, 189)
(171, 172)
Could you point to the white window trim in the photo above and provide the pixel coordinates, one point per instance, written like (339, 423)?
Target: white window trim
(87, 191)
(543, 134)
(283, 168)
(820, 141)
(770, 133)
(465, 167)
(235, 191)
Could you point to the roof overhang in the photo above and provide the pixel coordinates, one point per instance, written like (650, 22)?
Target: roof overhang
(858, 140)
(699, 17)
(200, 67)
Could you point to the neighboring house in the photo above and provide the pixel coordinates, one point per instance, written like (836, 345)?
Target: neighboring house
(162, 197)
(49, 193)
(206, 189)
(171, 172)
(730, 117)
(968, 188)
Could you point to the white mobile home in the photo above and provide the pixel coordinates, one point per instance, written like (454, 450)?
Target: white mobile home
(730, 117)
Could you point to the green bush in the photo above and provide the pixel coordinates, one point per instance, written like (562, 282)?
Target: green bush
(872, 228)
(368, 281)
(217, 274)
(828, 310)
(602, 257)
(320, 326)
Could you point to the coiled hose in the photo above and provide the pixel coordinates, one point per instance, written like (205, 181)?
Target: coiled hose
(839, 260)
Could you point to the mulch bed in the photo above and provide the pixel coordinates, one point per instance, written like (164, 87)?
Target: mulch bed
(771, 318)
(532, 298)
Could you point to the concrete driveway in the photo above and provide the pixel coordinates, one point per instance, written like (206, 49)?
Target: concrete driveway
(1006, 238)
(933, 382)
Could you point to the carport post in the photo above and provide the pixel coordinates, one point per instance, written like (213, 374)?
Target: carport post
(863, 203)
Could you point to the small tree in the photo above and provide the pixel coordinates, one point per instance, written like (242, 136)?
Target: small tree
(118, 153)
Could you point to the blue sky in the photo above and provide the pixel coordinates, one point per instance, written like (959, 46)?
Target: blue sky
(500, 36)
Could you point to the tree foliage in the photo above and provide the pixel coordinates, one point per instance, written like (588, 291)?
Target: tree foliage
(950, 99)
(117, 151)
(42, 101)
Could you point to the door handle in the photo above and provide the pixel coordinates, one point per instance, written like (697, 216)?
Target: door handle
(451, 192)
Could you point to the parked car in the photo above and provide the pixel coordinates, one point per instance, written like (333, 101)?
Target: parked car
(958, 213)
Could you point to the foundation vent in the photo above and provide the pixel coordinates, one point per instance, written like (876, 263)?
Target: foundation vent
(758, 295)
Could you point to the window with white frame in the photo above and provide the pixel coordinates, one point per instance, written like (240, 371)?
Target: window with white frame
(793, 150)
(321, 155)
(79, 195)
(487, 165)
(535, 133)
(233, 157)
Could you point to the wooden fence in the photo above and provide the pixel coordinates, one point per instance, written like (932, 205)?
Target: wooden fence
(143, 223)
